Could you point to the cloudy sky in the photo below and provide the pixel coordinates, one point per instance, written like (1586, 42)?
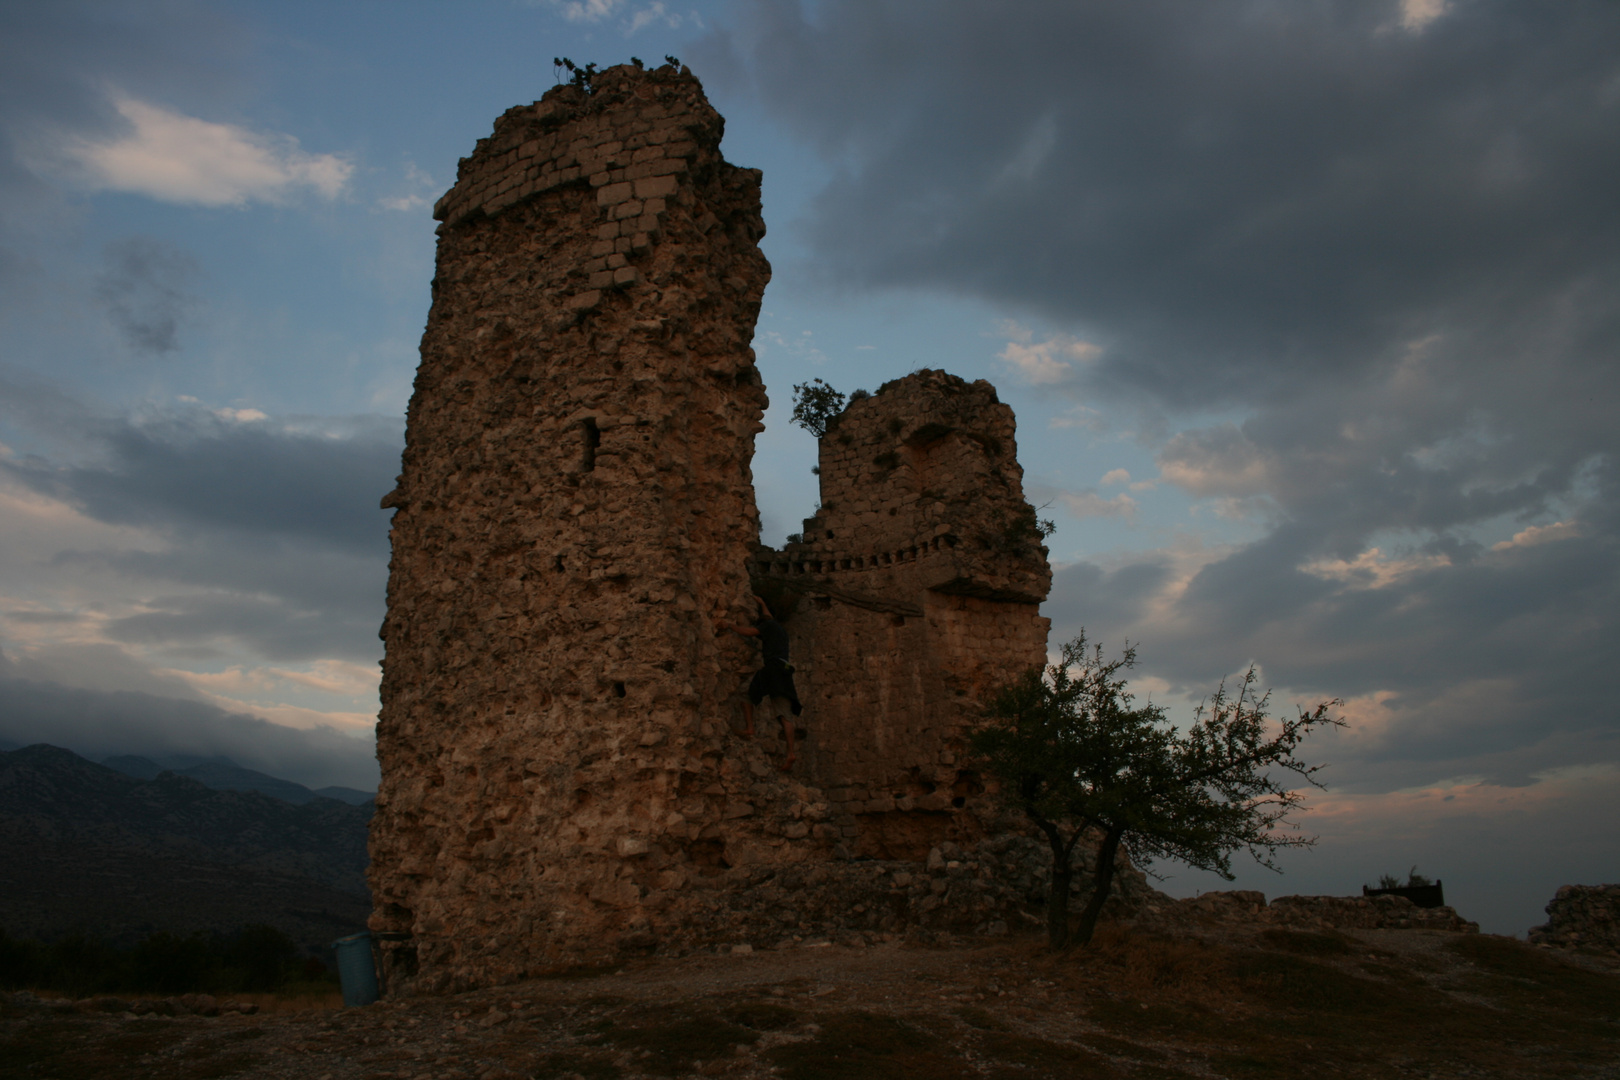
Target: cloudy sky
(1310, 313)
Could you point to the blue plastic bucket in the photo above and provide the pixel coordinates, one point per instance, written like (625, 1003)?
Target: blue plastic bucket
(356, 969)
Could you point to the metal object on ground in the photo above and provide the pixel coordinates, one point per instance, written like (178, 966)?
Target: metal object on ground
(357, 970)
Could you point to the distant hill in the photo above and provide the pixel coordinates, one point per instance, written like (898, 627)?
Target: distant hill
(86, 847)
(223, 774)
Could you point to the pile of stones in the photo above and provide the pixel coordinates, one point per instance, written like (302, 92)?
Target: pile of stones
(1584, 917)
(1325, 912)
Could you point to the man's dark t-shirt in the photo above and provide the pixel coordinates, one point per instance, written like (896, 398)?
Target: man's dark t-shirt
(773, 640)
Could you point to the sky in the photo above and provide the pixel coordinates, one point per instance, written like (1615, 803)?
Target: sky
(1309, 311)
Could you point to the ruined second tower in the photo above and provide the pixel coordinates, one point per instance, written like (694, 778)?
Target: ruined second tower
(576, 488)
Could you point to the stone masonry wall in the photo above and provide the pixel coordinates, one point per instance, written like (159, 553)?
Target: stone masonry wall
(1582, 917)
(916, 588)
(576, 504)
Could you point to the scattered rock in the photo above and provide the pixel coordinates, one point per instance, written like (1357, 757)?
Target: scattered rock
(1582, 917)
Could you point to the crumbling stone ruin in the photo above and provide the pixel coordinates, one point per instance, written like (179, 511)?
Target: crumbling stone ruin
(913, 590)
(563, 771)
(1582, 917)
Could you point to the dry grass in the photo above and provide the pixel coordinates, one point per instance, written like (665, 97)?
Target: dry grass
(1236, 1002)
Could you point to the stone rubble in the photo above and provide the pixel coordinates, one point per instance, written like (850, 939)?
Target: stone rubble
(1326, 912)
(1582, 917)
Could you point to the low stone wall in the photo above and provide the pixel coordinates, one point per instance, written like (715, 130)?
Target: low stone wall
(1585, 917)
(1326, 912)
(1365, 913)
(996, 887)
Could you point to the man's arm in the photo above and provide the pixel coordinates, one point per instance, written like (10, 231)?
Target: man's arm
(721, 626)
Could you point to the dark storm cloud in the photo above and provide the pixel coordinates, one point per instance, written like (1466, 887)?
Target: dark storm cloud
(290, 620)
(272, 536)
(99, 723)
(197, 470)
(1392, 249)
(1218, 193)
(143, 290)
(1489, 662)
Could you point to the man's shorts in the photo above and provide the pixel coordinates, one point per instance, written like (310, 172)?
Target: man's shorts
(774, 681)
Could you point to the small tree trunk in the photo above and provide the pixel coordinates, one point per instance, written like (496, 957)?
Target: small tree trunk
(1057, 906)
(1057, 903)
(1103, 879)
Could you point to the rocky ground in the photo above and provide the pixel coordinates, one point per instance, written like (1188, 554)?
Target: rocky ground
(1192, 995)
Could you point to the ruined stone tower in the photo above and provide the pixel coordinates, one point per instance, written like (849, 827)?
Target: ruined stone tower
(914, 589)
(563, 774)
(576, 498)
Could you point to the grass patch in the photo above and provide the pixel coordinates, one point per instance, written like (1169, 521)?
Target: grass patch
(1307, 943)
(604, 1001)
(568, 1063)
(1528, 981)
(581, 971)
(761, 1015)
(1041, 1059)
(975, 1017)
(1157, 1018)
(1144, 963)
(1294, 983)
(868, 1046)
(670, 1044)
(1107, 1044)
(68, 1050)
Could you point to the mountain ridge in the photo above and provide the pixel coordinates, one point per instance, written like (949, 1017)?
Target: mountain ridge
(90, 849)
(223, 774)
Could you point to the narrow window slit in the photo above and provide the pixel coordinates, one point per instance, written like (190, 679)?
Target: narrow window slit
(593, 439)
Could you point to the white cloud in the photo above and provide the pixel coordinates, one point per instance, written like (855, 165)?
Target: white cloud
(1116, 476)
(1417, 14)
(1084, 504)
(653, 13)
(1218, 461)
(421, 198)
(241, 416)
(1372, 569)
(1080, 416)
(1541, 534)
(1044, 363)
(181, 159)
(403, 202)
(343, 678)
(587, 10)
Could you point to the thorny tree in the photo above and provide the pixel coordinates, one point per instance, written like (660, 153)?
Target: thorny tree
(815, 404)
(1076, 758)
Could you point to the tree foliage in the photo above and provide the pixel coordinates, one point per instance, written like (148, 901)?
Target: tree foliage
(815, 404)
(1077, 758)
(582, 77)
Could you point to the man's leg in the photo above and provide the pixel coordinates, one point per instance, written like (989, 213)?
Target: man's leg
(748, 718)
(787, 729)
(784, 715)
